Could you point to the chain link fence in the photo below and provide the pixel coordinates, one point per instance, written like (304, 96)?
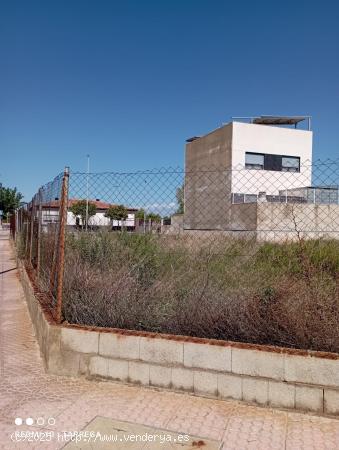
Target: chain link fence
(40, 228)
(241, 254)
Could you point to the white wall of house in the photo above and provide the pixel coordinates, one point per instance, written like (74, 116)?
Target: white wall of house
(129, 222)
(98, 219)
(269, 140)
(50, 216)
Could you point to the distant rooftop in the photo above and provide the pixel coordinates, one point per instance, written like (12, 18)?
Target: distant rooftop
(276, 120)
(55, 204)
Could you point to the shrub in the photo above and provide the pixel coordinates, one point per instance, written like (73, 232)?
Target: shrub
(281, 294)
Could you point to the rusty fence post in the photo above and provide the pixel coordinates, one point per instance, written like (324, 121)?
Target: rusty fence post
(17, 224)
(26, 233)
(21, 225)
(61, 244)
(19, 220)
(56, 242)
(38, 255)
(31, 231)
(14, 224)
(19, 229)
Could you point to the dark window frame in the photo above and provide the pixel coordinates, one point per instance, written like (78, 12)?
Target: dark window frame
(272, 163)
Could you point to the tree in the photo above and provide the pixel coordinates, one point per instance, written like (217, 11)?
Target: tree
(117, 212)
(79, 209)
(153, 217)
(147, 218)
(140, 214)
(9, 200)
(180, 200)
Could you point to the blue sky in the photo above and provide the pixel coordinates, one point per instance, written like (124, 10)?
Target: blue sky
(129, 81)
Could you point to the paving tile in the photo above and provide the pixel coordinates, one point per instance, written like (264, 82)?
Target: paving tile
(109, 433)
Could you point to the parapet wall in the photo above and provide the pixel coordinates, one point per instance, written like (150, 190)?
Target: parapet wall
(273, 376)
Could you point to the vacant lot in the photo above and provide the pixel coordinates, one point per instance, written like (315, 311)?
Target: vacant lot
(280, 294)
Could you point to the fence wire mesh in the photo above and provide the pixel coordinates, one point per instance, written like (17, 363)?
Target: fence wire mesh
(242, 253)
(37, 234)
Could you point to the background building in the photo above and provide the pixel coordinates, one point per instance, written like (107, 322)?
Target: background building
(50, 214)
(243, 159)
(257, 177)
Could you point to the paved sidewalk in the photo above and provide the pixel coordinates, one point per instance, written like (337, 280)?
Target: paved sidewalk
(26, 391)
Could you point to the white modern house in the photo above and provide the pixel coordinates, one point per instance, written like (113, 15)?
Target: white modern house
(239, 162)
(256, 176)
(259, 149)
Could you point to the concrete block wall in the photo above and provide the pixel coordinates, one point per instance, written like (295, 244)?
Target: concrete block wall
(312, 220)
(271, 376)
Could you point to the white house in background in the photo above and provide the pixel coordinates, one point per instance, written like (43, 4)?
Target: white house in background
(262, 148)
(50, 214)
(241, 162)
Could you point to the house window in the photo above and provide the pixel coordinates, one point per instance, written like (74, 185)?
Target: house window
(254, 161)
(290, 164)
(273, 162)
(279, 163)
(250, 198)
(244, 198)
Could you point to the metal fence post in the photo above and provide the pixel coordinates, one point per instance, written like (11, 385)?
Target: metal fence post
(61, 244)
(31, 231)
(27, 233)
(19, 221)
(39, 236)
(15, 225)
(19, 230)
(55, 254)
(21, 226)
(16, 217)
(56, 243)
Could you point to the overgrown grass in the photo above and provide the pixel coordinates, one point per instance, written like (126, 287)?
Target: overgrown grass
(280, 294)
